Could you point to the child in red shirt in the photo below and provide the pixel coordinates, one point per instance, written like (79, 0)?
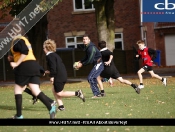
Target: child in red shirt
(147, 55)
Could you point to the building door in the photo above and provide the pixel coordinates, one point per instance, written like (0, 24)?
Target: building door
(170, 49)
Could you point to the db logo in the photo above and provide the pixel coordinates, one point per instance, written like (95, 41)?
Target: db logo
(163, 6)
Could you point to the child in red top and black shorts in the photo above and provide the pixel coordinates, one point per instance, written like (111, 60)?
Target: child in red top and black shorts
(147, 55)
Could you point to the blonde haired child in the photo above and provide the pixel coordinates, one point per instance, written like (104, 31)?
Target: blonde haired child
(58, 74)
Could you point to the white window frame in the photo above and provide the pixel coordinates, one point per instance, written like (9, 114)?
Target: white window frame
(72, 43)
(119, 40)
(83, 7)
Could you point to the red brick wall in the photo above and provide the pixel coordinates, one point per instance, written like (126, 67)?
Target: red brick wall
(160, 42)
(150, 35)
(127, 15)
(62, 20)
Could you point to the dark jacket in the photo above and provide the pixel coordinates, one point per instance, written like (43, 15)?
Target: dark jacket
(92, 56)
(56, 67)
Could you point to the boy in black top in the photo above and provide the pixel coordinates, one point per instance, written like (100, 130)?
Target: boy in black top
(58, 74)
(110, 71)
(26, 72)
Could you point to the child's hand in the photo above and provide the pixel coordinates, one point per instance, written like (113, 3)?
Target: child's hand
(79, 65)
(10, 58)
(47, 72)
(107, 63)
(13, 64)
(51, 80)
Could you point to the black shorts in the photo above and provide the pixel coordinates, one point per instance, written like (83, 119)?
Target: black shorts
(25, 80)
(58, 86)
(147, 68)
(110, 72)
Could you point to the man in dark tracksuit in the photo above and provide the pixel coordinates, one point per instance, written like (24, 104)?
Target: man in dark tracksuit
(93, 56)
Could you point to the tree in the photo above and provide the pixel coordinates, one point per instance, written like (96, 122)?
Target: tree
(38, 33)
(104, 10)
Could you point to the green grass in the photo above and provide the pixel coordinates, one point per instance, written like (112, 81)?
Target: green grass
(121, 101)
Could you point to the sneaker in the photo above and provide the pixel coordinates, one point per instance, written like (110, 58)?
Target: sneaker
(53, 103)
(61, 109)
(80, 95)
(17, 117)
(104, 80)
(52, 112)
(165, 81)
(103, 94)
(141, 86)
(34, 100)
(137, 90)
(96, 96)
(134, 85)
(110, 82)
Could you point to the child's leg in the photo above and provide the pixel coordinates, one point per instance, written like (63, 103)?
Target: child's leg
(155, 75)
(44, 99)
(27, 90)
(34, 98)
(59, 100)
(110, 81)
(141, 77)
(36, 91)
(164, 80)
(124, 81)
(129, 83)
(18, 100)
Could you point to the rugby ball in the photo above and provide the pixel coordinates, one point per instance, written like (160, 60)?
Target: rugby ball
(75, 66)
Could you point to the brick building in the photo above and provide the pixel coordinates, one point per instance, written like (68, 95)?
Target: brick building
(67, 24)
(69, 20)
(161, 36)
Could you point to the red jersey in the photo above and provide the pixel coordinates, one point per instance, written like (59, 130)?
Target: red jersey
(145, 57)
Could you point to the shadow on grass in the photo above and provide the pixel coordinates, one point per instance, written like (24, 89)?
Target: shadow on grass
(36, 108)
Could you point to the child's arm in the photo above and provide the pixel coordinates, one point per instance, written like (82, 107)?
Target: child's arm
(42, 71)
(152, 53)
(15, 64)
(109, 61)
(136, 55)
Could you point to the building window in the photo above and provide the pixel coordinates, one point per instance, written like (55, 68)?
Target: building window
(74, 42)
(79, 5)
(118, 41)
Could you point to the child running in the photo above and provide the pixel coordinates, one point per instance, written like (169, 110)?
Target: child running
(58, 74)
(110, 70)
(147, 55)
(26, 72)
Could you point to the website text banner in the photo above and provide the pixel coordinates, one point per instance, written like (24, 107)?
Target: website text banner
(25, 20)
(87, 122)
(158, 11)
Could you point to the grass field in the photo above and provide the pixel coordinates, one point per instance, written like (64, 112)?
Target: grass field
(121, 101)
